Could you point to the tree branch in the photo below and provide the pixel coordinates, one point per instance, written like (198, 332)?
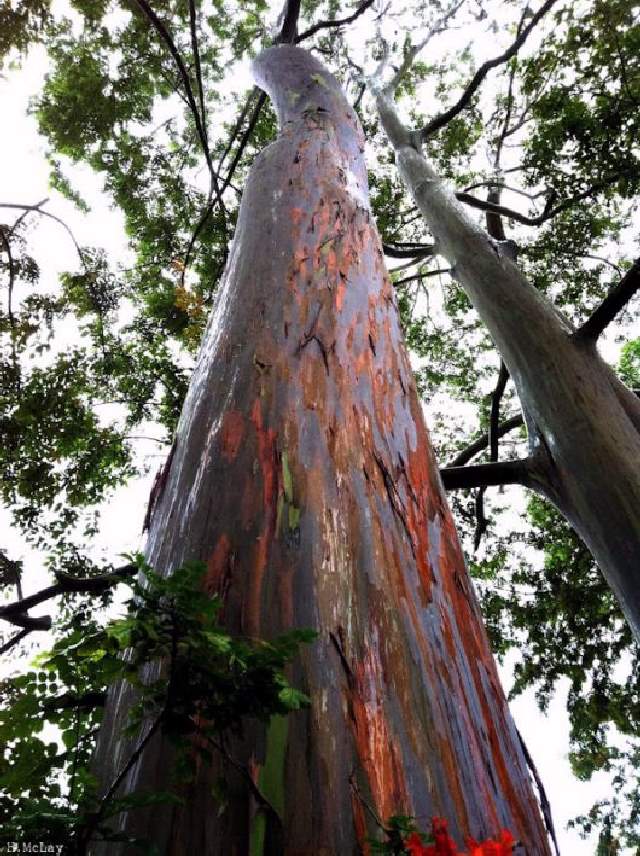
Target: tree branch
(289, 17)
(69, 701)
(503, 211)
(544, 801)
(196, 61)
(422, 275)
(550, 210)
(408, 250)
(14, 641)
(257, 794)
(238, 125)
(440, 121)
(16, 612)
(483, 441)
(334, 22)
(164, 34)
(487, 475)
(245, 139)
(495, 230)
(38, 208)
(612, 304)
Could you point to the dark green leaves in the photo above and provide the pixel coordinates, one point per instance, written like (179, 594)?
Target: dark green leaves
(204, 683)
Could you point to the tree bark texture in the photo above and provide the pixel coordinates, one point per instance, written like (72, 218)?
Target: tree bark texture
(304, 476)
(583, 423)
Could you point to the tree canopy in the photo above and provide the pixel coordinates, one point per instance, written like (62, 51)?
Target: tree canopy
(540, 140)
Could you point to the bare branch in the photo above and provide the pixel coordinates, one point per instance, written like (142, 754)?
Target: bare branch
(613, 303)
(487, 475)
(238, 125)
(162, 30)
(408, 250)
(421, 275)
(503, 211)
(14, 641)
(196, 61)
(38, 209)
(71, 701)
(542, 794)
(21, 619)
(482, 442)
(491, 182)
(257, 794)
(496, 398)
(444, 118)
(497, 232)
(334, 22)
(245, 139)
(16, 612)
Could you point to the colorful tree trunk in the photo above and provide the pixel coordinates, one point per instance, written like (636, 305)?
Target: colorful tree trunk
(304, 476)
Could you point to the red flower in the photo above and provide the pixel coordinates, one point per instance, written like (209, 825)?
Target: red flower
(444, 845)
(415, 846)
(501, 846)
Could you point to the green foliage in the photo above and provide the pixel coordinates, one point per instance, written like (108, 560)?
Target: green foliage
(397, 828)
(22, 24)
(629, 366)
(192, 680)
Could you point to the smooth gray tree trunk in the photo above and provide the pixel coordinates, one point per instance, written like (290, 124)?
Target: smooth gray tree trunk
(583, 423)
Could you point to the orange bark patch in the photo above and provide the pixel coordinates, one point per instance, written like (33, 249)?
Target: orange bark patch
(360, 824)
(269, 468)
(218, 565)
(374, 741)
(266, 454)
(232, 434)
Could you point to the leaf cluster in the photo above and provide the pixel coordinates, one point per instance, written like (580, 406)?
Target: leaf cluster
(190, 678)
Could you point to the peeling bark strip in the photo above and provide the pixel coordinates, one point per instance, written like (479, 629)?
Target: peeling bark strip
(303, 474)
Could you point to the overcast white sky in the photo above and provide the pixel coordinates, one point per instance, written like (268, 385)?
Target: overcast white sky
(24, 179)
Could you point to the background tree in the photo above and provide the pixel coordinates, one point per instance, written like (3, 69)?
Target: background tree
(558, 120)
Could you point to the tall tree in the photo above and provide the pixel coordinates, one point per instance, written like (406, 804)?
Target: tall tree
(569, 103)
(583, 423)
(302, 473)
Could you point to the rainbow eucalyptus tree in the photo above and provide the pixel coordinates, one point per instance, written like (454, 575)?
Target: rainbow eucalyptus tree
(303, 475)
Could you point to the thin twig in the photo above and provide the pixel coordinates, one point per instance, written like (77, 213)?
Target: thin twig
(444, 118)
(196, 61)
(422, 275)
(15, 640)
(334, 22)
(38, 208)
(186, 83)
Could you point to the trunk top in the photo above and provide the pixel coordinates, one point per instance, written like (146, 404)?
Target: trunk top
(303, 91)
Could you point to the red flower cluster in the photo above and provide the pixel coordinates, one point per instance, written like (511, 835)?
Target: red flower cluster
(444, 845)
